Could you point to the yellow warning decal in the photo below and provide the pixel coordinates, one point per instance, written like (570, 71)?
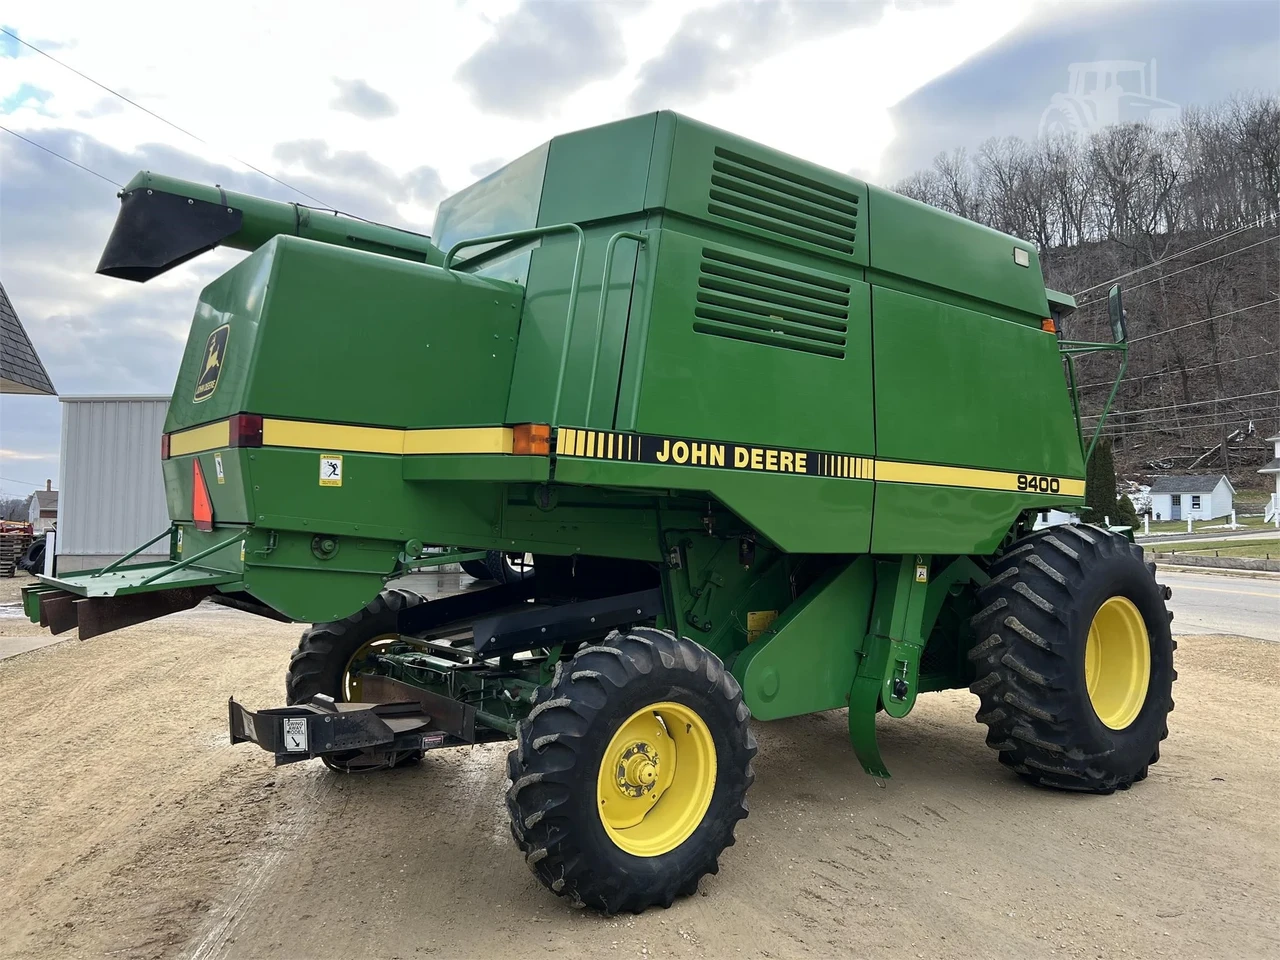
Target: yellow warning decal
(758, 621)
(683, 452)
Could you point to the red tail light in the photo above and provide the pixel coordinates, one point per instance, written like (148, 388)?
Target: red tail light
(201, 505)
(246, 430)
(164, 446)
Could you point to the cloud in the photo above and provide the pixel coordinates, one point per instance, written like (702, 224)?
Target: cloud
(27, 95)
(358, 98)
(541, 53)
(98, 335)
(715, 48)
(103, 108)
(353, 181)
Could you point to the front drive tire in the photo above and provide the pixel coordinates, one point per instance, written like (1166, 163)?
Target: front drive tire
(1074, 660)
(655, 726)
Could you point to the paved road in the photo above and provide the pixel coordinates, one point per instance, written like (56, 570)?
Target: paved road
(1212, 603)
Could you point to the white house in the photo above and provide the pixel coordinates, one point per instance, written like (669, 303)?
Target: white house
(1273, 468)
(43, 514)
(1197, 498)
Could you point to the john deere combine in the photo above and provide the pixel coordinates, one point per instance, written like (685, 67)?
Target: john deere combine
(774, 437)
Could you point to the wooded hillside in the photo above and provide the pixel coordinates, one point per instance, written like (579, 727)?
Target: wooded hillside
(1185, 217)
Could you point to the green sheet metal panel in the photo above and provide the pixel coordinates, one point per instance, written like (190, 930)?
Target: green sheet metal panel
(598, 174)
(961, 388)
(806, 660)
(749, 349)
(923, 245)
(762, 194)
(923, 518)
(596, 178)
(543, 328)
(322, 333)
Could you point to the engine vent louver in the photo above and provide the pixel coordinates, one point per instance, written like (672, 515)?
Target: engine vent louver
(742, 298)
(792, 207)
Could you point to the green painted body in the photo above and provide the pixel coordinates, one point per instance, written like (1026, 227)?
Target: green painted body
(803, 371)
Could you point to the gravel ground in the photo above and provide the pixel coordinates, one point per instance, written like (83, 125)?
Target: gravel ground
(130, 828)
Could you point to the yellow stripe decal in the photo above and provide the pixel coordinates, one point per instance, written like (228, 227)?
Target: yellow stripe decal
(892, 471)
(296, 433)
(337, 437)
(340, 437)
(673, 451)
(212, 436)
(459, 440)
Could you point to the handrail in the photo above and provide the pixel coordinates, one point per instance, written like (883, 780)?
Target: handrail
(573, 289)
(610, 247)
(183, 564)
(1072, 348)
(132, 553)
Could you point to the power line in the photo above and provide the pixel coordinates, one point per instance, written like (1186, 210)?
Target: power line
(1202, 263)
(1183, 423)
(1170, 373)
(1183, 433)
(134, 103)
(25, 483)
(1175, 256)
(1196, 323)
(1178, 406)
(60, 156)
(1184, 420)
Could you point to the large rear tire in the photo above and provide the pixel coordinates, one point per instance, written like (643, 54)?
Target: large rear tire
(328, 658)
(1074, 660)
(631, 772)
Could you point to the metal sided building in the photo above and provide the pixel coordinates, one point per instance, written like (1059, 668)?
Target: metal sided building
(111, 491)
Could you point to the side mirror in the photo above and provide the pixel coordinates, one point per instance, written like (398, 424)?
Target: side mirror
(1115, 307)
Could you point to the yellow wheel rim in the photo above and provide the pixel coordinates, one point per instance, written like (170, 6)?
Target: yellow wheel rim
(1117, 663)
(352, 691)
(656, 779)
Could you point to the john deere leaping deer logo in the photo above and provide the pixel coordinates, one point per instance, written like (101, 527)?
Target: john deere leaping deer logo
(215, 352)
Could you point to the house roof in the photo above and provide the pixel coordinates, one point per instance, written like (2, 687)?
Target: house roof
(47, 499)
(1272, 467)
(20, 369)
(1197, 484)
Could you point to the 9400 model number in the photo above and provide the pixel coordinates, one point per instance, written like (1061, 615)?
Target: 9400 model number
(1034, 483)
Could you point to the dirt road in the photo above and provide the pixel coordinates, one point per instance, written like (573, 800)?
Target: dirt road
(129, 828)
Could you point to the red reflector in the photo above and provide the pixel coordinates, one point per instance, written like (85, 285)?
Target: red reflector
(164, 446)
(246, 430)
(201, 505)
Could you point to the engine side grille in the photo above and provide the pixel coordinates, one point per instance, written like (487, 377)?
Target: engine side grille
(742, 298)
(791, 207)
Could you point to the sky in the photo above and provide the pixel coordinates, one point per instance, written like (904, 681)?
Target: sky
(383, 110)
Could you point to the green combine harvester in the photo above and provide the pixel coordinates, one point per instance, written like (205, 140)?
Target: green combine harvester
(775, 439)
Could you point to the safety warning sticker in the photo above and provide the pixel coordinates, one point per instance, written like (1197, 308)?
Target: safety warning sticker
(330, 470)
(217, 465)
(295, 734)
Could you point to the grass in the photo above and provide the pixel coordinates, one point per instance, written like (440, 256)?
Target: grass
(1262, 549)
